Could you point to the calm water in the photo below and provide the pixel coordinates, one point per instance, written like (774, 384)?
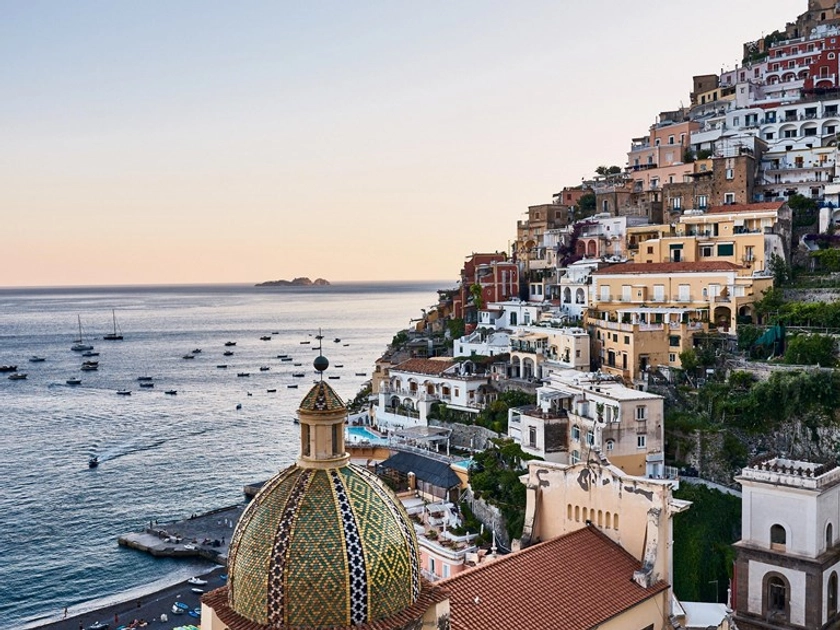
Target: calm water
(163, 457)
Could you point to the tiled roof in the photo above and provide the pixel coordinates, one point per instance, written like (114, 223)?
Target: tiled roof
(669, 267)
(430, 595)
(746, 207)
(321, 398)
(574, 582)
(424, 366)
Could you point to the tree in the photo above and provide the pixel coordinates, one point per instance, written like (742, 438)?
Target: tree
(608, 170)
(811, 350)
(586, 204)
(477, 295)
(780, 269)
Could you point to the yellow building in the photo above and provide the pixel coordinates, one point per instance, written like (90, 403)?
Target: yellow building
(746, 234)
(644, 314)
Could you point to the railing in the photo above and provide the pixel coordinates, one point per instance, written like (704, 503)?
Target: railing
(398, 411)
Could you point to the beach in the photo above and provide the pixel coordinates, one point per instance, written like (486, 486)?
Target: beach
(150, 608)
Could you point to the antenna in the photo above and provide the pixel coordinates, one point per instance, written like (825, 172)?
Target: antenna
(321, 362)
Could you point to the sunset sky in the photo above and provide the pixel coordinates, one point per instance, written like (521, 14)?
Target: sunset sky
(176, 142)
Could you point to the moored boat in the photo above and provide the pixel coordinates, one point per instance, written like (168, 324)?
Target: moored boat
(264, 368)
(124, 392)
(74, 381)
(116, 335)
(8, 368)
(93, 462)
(243, 374)
(17, 376)
(171, 392)
(147, 384)
(265, 338)
(228, 353)
(36, 359)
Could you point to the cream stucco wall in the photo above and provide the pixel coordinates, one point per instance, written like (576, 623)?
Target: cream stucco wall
(632, 511)
(641, 616)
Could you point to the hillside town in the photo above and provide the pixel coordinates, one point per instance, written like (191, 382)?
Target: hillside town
(665, 329)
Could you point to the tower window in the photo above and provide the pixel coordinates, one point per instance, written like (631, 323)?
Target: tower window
(831, 596)
(776, 599)
(778, 538)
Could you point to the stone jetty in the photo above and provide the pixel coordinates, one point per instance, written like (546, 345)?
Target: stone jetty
(199, 536)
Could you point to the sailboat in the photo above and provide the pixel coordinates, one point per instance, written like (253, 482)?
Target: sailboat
(79, 345)
(114, 336)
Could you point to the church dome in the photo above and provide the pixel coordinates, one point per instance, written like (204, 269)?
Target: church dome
(321, 549)
(323, 544)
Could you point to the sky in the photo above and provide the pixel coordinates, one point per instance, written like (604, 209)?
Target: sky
(212, 141)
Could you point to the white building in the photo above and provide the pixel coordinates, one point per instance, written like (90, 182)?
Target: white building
(788, 560)
(482, 343)
(413, 386)
(577, 413)
(575, 287)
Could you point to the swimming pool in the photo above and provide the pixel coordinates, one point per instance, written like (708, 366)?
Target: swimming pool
(464, 463)
(358, 434)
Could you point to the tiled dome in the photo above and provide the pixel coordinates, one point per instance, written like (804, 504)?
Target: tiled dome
(322, 548)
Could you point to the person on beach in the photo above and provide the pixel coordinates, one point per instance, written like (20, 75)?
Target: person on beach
(65, 612)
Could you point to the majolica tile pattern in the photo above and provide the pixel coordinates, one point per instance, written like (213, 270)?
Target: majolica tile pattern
(322, 397)
(321, 549)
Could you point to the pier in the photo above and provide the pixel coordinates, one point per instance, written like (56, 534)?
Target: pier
(199, 536)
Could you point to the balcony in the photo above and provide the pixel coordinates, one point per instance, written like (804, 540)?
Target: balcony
(401, 411)
(683, 298)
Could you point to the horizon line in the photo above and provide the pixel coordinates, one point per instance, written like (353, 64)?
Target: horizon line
(208, 284)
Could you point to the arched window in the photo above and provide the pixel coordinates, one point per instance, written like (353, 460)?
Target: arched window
(590, 437)
(831, 596)
(610, 445)
(576, 433)
(615, 520)
(776, 599)
(778, 538)
(569, 512)
(607, 520)
(829, 536)
(575, 457)
(577, 513)
(513, 319)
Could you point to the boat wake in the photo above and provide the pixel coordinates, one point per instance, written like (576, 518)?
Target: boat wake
(140, 447)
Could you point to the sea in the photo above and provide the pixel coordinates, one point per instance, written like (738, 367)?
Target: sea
(162, 457)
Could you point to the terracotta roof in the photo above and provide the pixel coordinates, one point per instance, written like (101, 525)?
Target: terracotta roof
(429, 595)
(669, 267)
(574, 582)
(746, 207)
(424, 366)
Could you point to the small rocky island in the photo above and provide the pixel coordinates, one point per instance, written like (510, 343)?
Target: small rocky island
(297, 282)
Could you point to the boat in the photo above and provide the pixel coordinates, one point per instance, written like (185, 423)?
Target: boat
(74, 381)
(36, 359)
(361, 374)
(98, 625)
(93, 462)
(197, 581)
(304, 342)
(197, 351)
(176, 610)
(195, 613)
(275, 332)
(147, 384)
(285, 358)
(113, 336)
(188, 356)
(243, 374)
(79, 345)
(90, 366)
(292, 386)
(265, 338)
(197, 590)
(337, 340)
(298, 374)
(222, 366)
(238, 406)
(264, 368)
(271, 391)
(90, 353)
(123, 392)
(171, 392)
(17, 376)
(8, 368)
(338, 365)
(334, 377)
(228, 353)
(230, 343)
(298, 364)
